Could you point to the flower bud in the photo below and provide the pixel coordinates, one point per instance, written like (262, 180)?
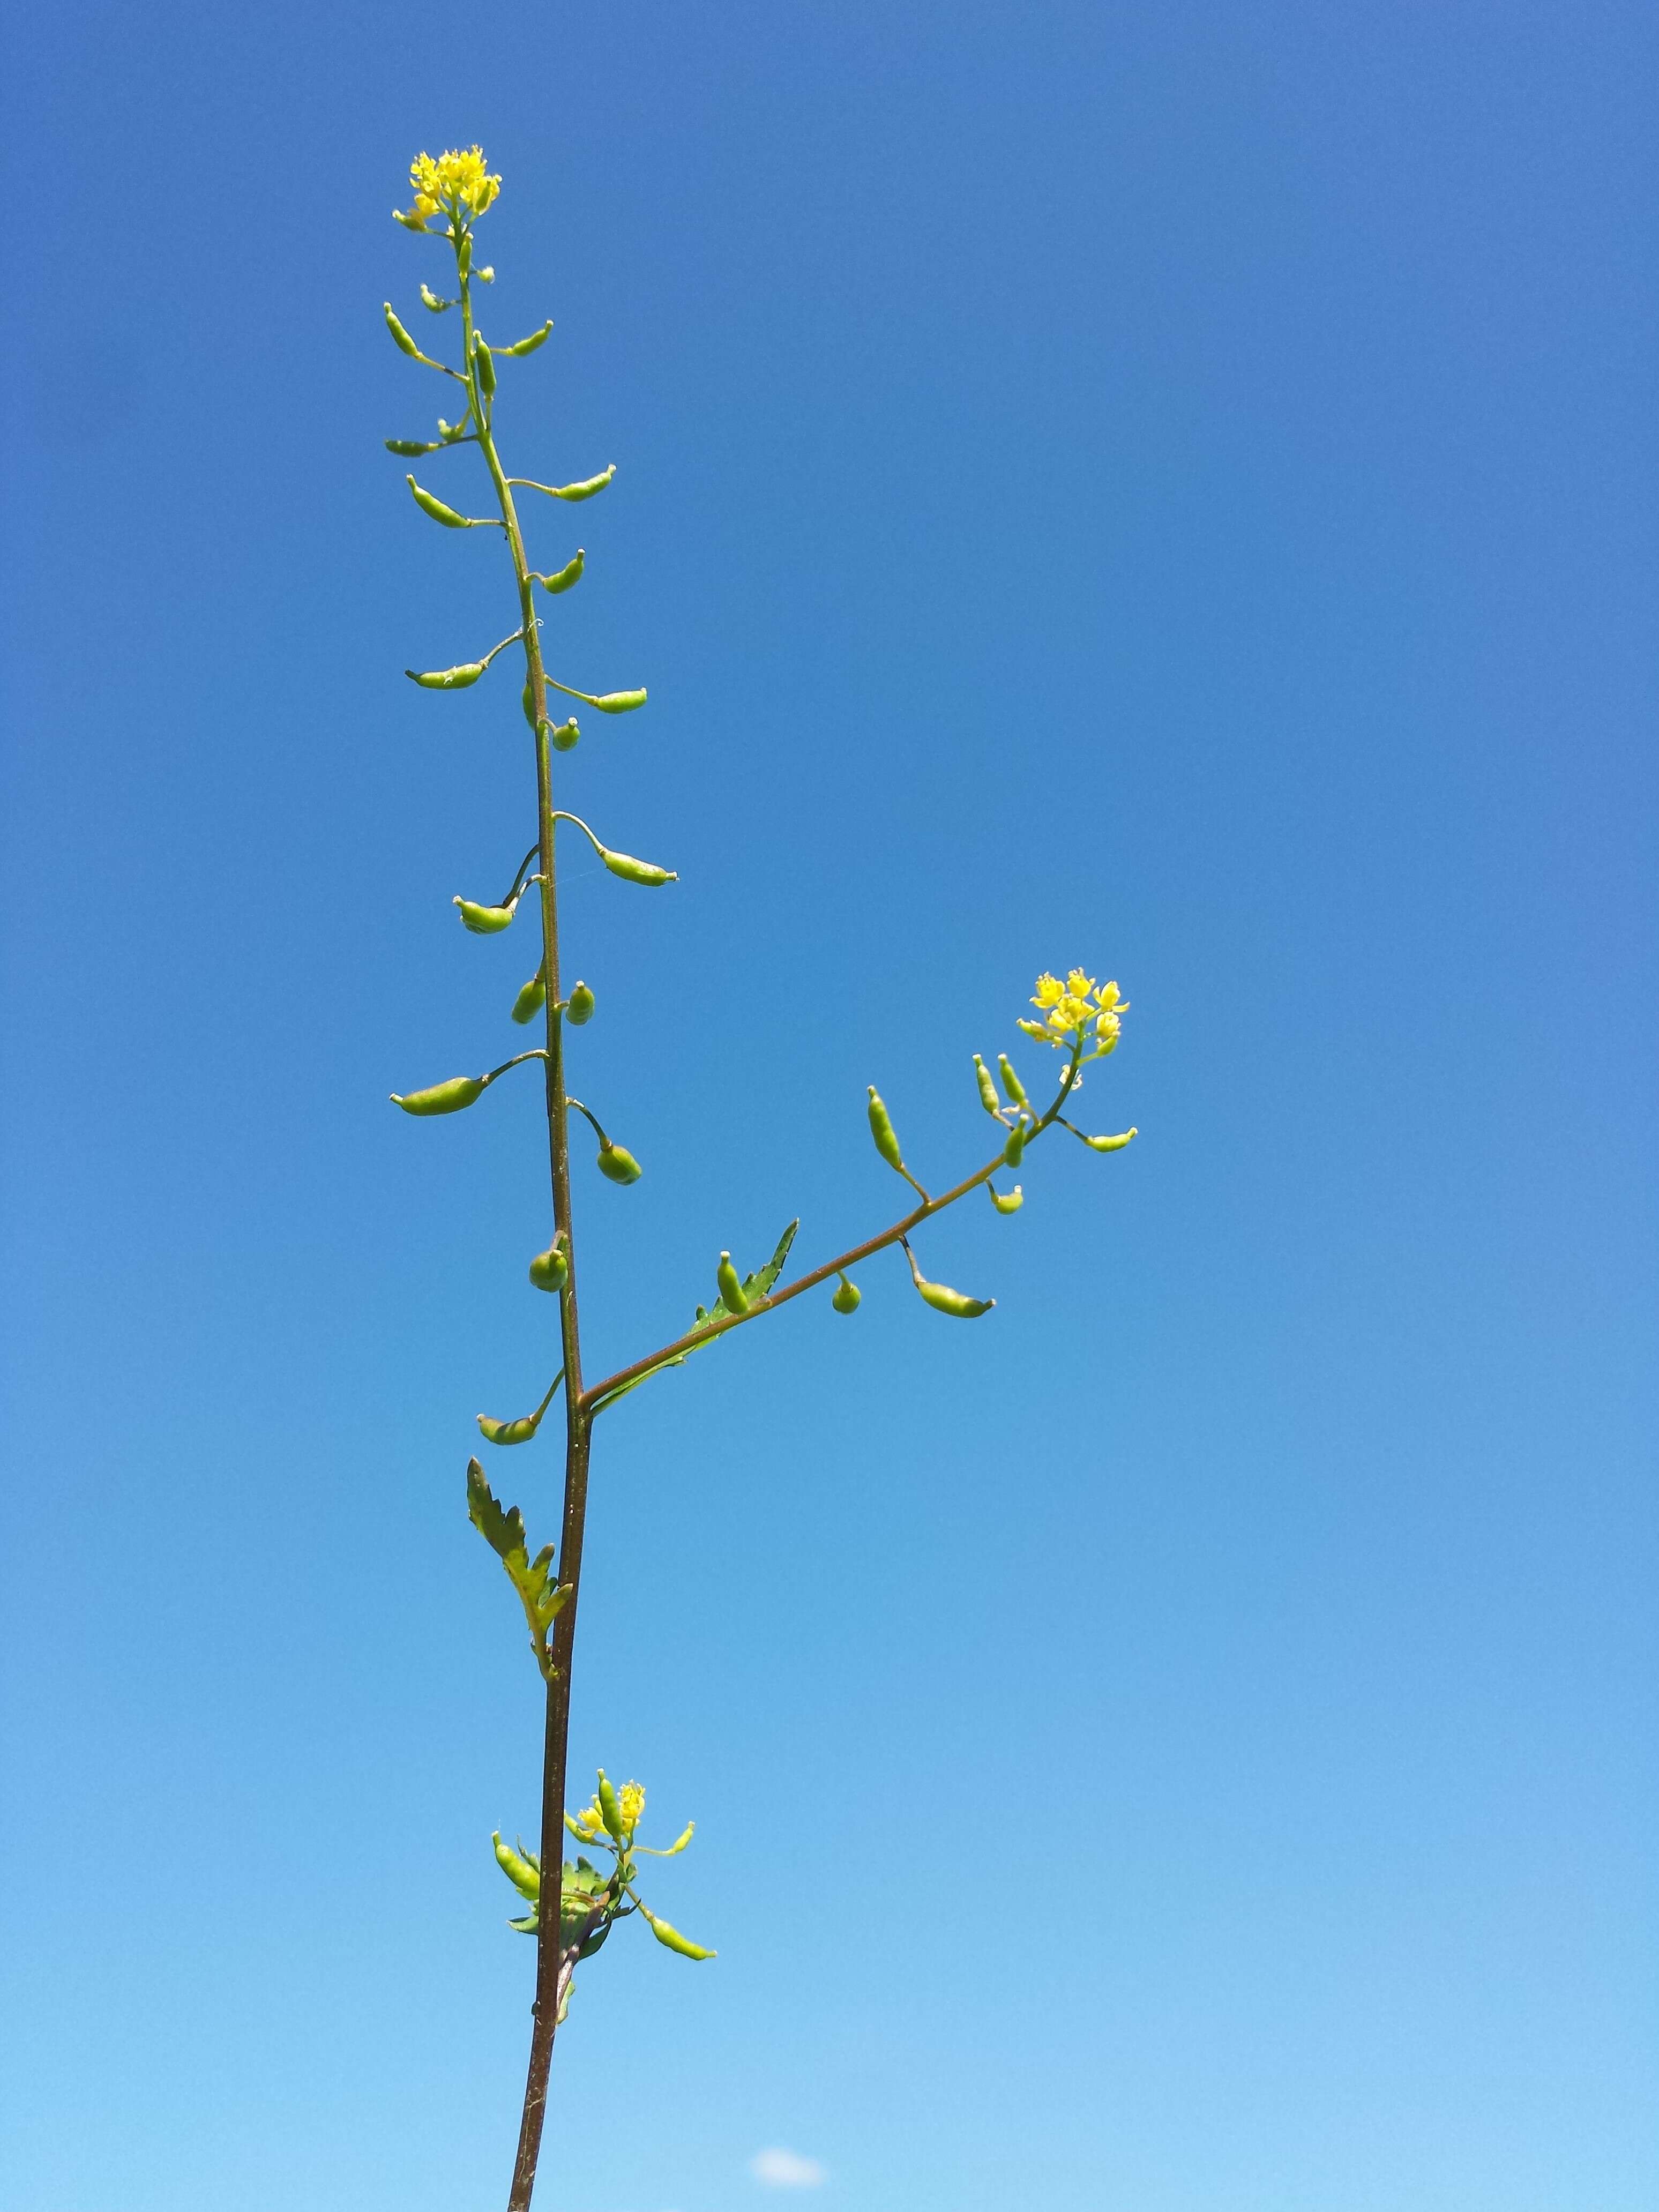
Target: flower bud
(486, 366)
(411, 218)
(442, 1097)
(562, 579)
(988, 1089)
(846, 1297)
(531, 999)
(485, 920)
(635, 872)
(618, 1165)
(619, 702)
(551, 1270)
(586, 490)
(611, 1810)
(400, 335)
(1110, 1144)
(447, 679)
(525, 1878)
(579, 1008)
(436, 508)
(1012, 1203)
(731, 1286)
(522, 346)
(1010, 1082)
(881, 1128)
(674, 1940)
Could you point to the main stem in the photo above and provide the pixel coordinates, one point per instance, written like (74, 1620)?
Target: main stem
(578, 1419)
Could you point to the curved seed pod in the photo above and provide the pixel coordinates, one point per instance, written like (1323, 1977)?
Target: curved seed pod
(412, 448)
(522, 346)
(551, 1270)
(562, 579)
(881, 1128)
(588, 489)
(486, 361)
(611, 1808)
(485, 920)
(846, 1297)
(400, 335)
(956, 1302)
(674, 1940)
(1110, 1144)
(635, 872)
(532, 998)
(579, 1007)
(1012, 1203)
(618, 1165)
(524, 1877)
(1014, 1150)
(1010, 1082)
(619, 702)
(731, 1285)
(447, 679)
(988, 1089)
(432, 303)
(442, 1097)
(561, 736)
(519, 1431)
(674, 1849)
(527, 701)
(436, 508)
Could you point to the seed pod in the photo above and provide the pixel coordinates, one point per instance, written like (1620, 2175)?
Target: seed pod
(1013, 1151)
(1012, 1203)
(400, 335)
(561, 736)
(447, 679)
(881, 1128)
(412, 448)
(617, 1164)
(509, 1432)
(432, 303)
(486, 363)
(522, 346)
(530, 999)
(675, 1941)
(635, 872)
(442, 1097)
(988, 1089)
(463, 254)
(731, 1286)
(954, 1302)
(579, 1008)
(524, 1877)
(1010, 1082)
(484, 920)
(679, 1842)
(527, 701)
(436, 508)
(562, 579)
(411, 218)
(619, 702)
(846, 1297)
(611, 1810)
(586, 490)
(551, 1270)
(1110, 1144)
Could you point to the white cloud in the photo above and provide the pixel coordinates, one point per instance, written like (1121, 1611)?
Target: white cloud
(787, 2169)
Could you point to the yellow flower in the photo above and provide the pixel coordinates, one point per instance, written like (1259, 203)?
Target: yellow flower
(589, 1819)
(458, 185)
(1049, 992)
(631, 1798)
(1074, 1010)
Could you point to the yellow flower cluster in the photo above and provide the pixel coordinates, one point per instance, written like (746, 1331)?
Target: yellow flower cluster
(589, 1821)
(631, 1799)
(1076, 1009)
(457, 185)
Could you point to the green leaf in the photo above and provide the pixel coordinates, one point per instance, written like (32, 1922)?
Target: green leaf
(542, 1597)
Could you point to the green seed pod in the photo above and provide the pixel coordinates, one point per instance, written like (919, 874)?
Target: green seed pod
(845, 1298)
(881, 1128)
(562, 579)
(679, 1842)
(579, 1008)
(1014, 1150)
(1012, 1203)
(524, 1877)
(522, 346)
(432, 303)
(611, 1810)
(1010, 1082)
(436, 508)
(551, 1270)
(618, 1165)
(1110, 1144)
(674, 1940)
(586, 490)
(635, 872)
(400, 335)
(731, 1285)
(442, 1097)
(412, 448)
(527, 701)
(463, 254)
(954, 1302)
(619, 702)
(485, 920)
(509, 1432)
(988, 1089)
(447, 679)
(563, 735)
(531, 999)
(486, 362)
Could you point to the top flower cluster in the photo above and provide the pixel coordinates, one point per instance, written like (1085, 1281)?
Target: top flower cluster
(630, 1798)
(457, 185)
(1075, 1010)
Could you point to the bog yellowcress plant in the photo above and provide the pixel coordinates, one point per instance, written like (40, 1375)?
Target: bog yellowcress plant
(574, 1905)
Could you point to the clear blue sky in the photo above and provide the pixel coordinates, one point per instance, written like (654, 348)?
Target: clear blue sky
(1168, 488)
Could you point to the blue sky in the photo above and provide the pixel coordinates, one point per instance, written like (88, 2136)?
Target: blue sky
(1168, 489)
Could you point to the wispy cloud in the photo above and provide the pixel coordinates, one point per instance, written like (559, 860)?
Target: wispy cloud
(786, 2169)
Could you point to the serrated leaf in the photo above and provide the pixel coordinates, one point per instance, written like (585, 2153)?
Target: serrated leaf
(502, 1531)
(542, 1597)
